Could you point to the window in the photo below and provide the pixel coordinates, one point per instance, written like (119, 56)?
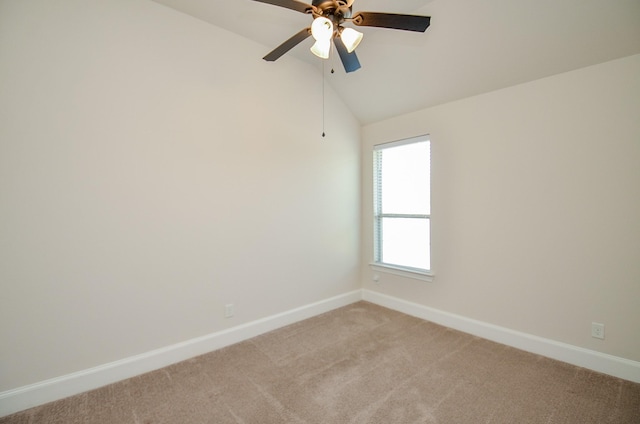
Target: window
(402, 205)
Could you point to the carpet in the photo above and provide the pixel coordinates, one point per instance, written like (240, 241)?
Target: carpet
(358, 364)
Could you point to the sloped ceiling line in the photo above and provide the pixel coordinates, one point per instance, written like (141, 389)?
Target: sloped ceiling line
(471, 47)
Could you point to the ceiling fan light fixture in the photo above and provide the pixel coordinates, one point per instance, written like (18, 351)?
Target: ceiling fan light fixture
(321, 48)
(322, 29)
(351, 38)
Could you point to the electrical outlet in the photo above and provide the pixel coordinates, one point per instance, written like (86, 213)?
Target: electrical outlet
(597, 330)
(229, 310)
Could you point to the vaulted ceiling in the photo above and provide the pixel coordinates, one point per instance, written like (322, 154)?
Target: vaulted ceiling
(471, 47)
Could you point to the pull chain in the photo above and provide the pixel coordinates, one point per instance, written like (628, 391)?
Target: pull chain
(323, 89)
(323, 98)
(333, 57)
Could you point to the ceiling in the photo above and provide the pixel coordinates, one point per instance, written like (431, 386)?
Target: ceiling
(471, 47)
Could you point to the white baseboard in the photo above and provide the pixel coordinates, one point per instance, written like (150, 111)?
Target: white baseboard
(596, 361)
(25, 397)
(15, 400)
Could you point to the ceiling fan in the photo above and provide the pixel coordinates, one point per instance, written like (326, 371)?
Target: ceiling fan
(328, 19)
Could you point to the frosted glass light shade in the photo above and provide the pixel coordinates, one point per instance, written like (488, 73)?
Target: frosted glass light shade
(321, 48)
(351, 38)
(322, 29)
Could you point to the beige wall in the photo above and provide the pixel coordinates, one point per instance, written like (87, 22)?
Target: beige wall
(536, 207)
(154, 168)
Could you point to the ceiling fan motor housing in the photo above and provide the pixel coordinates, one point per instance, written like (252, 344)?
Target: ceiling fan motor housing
(335, 10)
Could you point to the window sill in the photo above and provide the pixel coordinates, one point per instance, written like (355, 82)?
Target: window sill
(403, 272)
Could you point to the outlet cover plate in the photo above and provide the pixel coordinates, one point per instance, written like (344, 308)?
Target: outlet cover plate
(229, 310)
(597, 330)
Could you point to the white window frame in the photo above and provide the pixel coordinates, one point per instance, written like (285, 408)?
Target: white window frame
(377, 265)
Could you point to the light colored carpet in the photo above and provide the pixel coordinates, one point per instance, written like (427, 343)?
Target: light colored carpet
(357, 364)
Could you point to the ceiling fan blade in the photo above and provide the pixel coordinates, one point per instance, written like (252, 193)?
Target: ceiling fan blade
(288, 45)
(289, 4)
(392, 20)
(349, 60)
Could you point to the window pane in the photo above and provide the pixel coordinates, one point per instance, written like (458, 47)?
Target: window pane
(405, 242)
(405, 179)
